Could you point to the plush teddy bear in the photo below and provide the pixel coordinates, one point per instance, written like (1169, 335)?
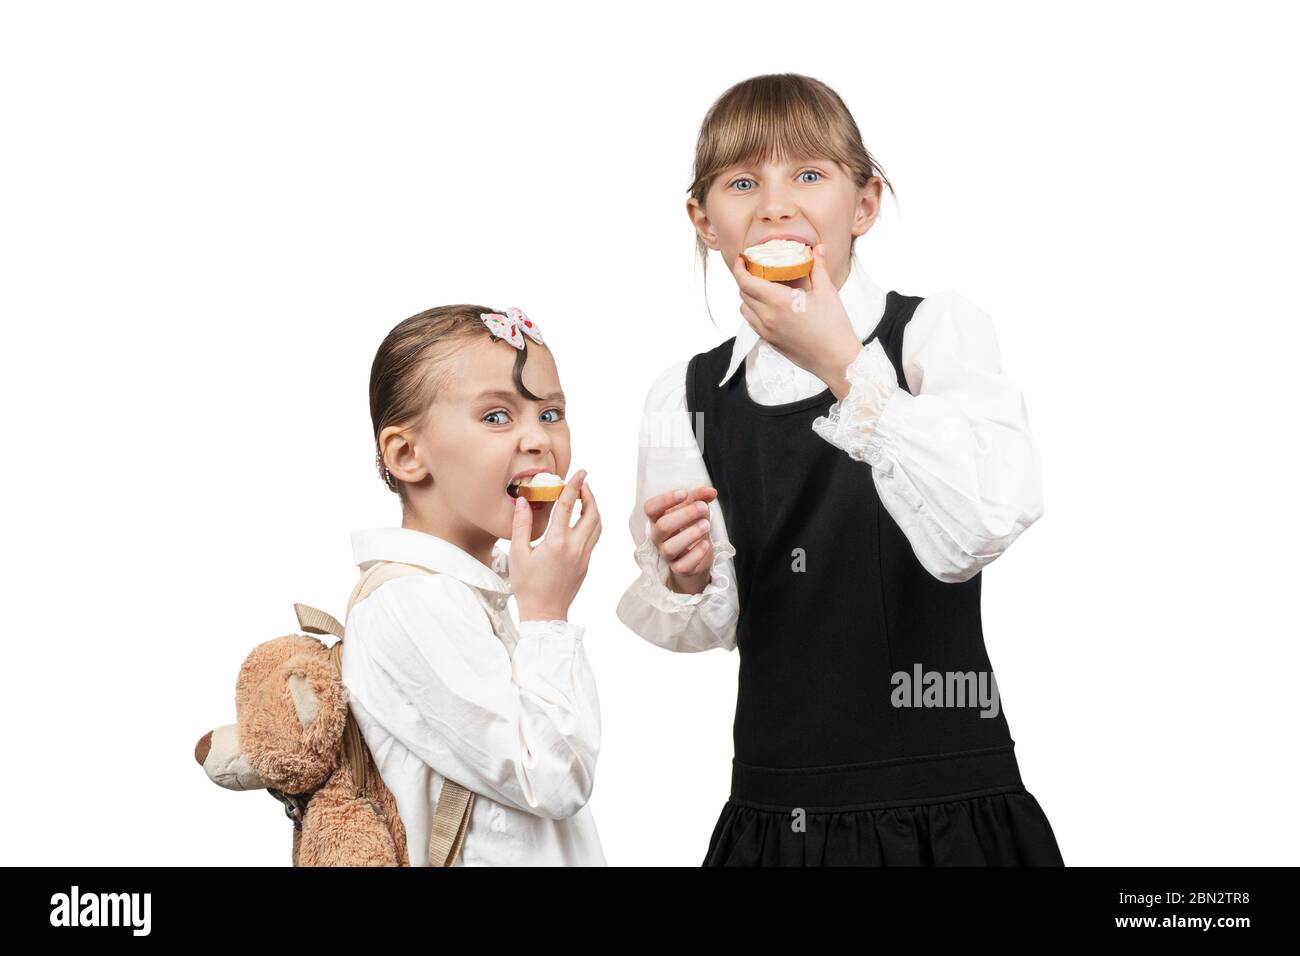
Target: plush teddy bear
(292, 722)
(295, 737)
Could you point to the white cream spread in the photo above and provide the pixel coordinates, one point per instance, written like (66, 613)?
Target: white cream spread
(779, 252)
(543, 479)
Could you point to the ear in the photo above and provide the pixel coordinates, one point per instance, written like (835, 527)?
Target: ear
(400, 456)
(703, 228)
(305, 702)
(319, 701)
(868, 208)
(291, 708)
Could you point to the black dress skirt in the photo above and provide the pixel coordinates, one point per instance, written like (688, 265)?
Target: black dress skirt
(999, 825)
(868, 730)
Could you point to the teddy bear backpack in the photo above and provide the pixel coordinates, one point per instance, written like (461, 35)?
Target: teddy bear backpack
(295, 737)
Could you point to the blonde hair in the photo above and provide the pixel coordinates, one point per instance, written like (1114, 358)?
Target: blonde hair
(775, 116)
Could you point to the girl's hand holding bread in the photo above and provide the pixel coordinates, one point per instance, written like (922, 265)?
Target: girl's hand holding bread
(545, 579)
(809, 326)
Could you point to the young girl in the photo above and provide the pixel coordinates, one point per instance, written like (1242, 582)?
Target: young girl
(821, 491)
(441, 682)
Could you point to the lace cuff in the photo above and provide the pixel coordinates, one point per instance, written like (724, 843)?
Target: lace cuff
(851, 424)
(652, 588)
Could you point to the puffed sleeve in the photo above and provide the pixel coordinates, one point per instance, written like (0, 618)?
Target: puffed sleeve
(668, 457)
(952, 456)
(524, 731)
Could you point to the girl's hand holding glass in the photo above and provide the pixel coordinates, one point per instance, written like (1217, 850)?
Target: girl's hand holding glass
(546, 578)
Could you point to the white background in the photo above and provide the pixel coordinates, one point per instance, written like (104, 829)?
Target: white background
(213, 214)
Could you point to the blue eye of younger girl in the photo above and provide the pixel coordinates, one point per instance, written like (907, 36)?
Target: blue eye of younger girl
(813, 172)
(501, 411)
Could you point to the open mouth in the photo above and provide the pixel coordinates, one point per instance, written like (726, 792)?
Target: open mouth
(545, 492)
(512, 486)
(512, 490)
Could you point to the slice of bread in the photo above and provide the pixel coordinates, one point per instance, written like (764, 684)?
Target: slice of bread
(549, 491)
(779, 260)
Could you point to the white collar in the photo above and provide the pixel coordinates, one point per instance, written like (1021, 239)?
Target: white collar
(408, 546)
(862, 298)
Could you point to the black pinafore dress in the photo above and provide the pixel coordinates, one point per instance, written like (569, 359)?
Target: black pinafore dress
(833, 606)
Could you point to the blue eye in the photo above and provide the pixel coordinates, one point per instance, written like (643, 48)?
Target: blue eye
(812, 172)
(742, 179)
(499, 411)
(558, 412)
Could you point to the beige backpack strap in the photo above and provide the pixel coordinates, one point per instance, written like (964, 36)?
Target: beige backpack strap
(455, 803)
(377, 574)
(355, 752)
(450, 821)
(314, 621)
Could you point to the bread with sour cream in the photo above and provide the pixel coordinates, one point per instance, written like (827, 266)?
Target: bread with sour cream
(779, 260)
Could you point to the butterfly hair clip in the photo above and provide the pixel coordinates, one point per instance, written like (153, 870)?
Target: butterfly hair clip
(512, 326)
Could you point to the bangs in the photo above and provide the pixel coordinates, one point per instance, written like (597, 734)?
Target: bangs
(776, 121)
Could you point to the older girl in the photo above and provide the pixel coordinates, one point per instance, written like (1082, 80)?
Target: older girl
(821, 492)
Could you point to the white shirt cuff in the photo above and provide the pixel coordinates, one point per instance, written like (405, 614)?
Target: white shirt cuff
(551, 629)
(851, 424)
(652, 586)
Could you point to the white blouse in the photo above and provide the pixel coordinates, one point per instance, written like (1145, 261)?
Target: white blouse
(953, 460)
(443, 684)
